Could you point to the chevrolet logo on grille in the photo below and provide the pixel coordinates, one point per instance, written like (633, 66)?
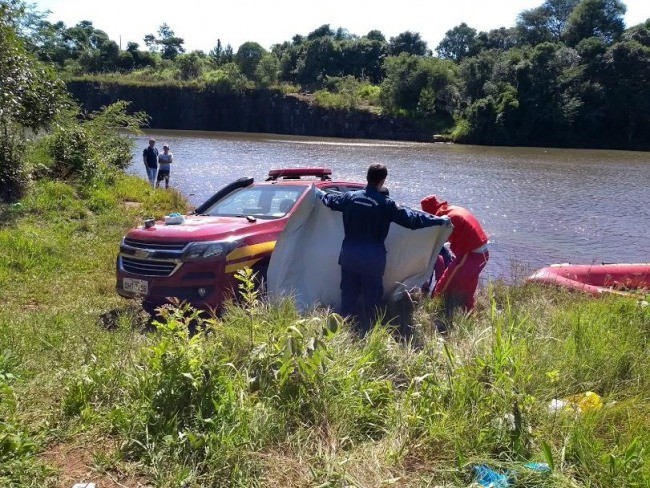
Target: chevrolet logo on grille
(141, 254)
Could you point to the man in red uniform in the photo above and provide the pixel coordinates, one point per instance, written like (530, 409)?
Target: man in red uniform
(469, 244)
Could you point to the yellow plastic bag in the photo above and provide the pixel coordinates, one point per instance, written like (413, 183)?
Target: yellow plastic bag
(585, 402)
(581, 403)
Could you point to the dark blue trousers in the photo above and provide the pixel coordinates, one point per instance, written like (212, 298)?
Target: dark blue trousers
(361, 299)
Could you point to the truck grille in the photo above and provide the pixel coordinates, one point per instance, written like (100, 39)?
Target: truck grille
(157, 246)
(147, 267)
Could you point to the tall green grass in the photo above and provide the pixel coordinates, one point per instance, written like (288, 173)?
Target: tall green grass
(262, 396)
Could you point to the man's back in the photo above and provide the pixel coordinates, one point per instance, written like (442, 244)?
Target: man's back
(367, 215)
(468, 233)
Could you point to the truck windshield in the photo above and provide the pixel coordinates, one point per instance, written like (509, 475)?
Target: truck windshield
(263, 202)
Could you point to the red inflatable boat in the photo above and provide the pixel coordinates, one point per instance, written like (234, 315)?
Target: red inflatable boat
(596, 278)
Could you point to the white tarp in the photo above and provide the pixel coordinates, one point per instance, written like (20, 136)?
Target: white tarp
(304, 263)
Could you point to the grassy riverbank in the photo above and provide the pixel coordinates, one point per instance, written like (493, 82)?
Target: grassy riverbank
(267, 398)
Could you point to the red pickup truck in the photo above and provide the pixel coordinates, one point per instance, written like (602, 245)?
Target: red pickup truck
(237, 227)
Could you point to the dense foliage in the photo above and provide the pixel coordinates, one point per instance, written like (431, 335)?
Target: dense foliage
(31, 96)
(567, 73)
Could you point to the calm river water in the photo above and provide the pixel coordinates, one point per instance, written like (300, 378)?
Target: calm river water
(539, 206)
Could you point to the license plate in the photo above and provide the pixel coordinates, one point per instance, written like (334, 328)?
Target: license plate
(139, 287)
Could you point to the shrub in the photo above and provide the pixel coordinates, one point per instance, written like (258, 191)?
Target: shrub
(108, 128)
(347, 93)
(325, 99)
(461, 131)
(94, 148)
(288, 88)
(71, 154)
(370, 93)
(226, 79)
(13, 176)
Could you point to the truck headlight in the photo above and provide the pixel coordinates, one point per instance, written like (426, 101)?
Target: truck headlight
(198, 251)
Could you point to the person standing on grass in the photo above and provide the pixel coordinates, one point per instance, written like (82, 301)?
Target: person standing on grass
(367, 215)
(150, 159)
(164, 166)
(469, 244)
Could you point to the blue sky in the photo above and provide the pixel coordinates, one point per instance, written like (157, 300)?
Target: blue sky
(201, 22)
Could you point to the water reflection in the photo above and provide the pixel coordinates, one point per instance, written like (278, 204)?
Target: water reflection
(538, 205)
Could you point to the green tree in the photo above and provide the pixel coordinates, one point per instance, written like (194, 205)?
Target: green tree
(341, 93)
(319, 59)
(30, 98)
(363, 58)
(216, 53)
(25, 20)
(407, 42)
(639, 33)
(533, 26)
(458, 43)
(54, 42)
(376, 35)
(421, 87)
(343, 35)
(325, 53)
(105, 58)
(627, 86)
(191, 65)
(544, 23)
(595, 18)
(546, 77)
(83, 38)
(228, 54)
(125, 61)
(559, 12)
(288, 55)
(476, 72)
(494, 118)
(138, 59)
(323, 31)
(150, 42)
(541, 96)
(49, 42)
(167, 42)
(500, 39)
(268, 69)
(400, 90)
(248, 58)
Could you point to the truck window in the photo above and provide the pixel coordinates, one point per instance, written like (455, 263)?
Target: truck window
(264, 202)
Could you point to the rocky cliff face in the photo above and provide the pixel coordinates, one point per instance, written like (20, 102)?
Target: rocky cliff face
(256, 111)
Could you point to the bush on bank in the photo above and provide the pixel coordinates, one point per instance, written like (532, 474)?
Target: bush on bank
(263, 396)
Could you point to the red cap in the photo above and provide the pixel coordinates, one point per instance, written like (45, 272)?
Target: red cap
(431, 204)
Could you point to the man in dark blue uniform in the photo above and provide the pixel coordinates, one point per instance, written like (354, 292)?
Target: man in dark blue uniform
(367, 215)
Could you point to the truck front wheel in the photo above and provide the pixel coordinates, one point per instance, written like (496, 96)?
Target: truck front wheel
(260, 270)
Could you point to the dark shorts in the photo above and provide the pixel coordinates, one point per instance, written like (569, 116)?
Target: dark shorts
(163, 174)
